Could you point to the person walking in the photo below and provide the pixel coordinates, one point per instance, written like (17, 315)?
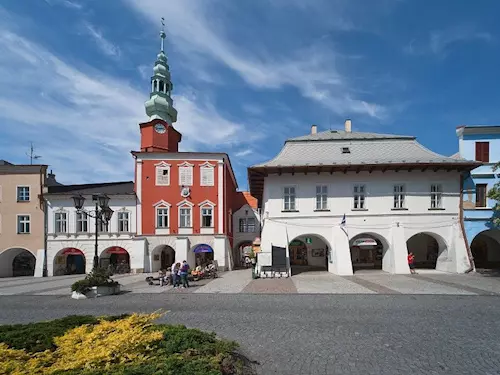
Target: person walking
(411, 263)
(175, 274)
(184, 274)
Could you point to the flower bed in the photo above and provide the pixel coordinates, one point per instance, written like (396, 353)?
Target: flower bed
(130, 345)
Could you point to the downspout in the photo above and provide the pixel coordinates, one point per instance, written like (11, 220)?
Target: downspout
(462, 226)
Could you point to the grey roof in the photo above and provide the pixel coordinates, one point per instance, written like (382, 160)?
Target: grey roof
(343, 135)
(9, 168)
(109, 188)
(326, 148)
(5, 162)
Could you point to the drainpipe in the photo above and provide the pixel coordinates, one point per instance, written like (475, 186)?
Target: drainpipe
(462, 226)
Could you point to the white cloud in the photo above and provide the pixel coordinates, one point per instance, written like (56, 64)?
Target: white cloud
(102, 43)
(244, 152)
(84, 123)
(311, 70)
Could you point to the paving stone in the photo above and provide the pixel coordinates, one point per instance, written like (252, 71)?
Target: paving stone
(281, 285)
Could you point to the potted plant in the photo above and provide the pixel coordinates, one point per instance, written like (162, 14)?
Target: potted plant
(97, 283)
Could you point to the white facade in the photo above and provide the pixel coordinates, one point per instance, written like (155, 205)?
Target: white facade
(378, 218)
(67, 236)
(246, 227)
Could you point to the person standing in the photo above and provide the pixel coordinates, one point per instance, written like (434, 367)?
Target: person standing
(174, 272)
(411, 263)
(184, 274)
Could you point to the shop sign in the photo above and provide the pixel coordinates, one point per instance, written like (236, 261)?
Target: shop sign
(365, 242)
(309, 240)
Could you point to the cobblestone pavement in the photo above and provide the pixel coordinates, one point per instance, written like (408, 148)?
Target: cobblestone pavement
(317, 334)
(426, 282)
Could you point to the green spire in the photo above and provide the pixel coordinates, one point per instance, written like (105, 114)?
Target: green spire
(160, 104)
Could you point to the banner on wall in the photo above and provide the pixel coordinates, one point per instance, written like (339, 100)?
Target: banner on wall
(203, 248)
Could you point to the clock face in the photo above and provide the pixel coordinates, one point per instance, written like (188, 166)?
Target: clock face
(160, 128)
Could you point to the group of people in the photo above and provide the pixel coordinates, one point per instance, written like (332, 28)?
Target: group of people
(179, 273)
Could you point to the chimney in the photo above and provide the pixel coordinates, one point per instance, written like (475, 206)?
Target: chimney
(347, 126)
(314, 129)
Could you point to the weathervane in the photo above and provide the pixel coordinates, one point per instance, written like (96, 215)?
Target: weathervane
(162, 32)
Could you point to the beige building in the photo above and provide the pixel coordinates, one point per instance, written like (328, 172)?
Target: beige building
(21, 217)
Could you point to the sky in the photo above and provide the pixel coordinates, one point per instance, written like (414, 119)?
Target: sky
(247, 75)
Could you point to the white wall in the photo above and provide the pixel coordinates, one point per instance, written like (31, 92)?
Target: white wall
(393, 227)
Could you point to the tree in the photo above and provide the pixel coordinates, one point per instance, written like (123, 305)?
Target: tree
(494, 194)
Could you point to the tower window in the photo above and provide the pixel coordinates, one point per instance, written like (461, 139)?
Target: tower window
(161, 86)
(155, 85)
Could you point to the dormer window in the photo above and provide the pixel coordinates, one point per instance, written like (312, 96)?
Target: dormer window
(346, 150)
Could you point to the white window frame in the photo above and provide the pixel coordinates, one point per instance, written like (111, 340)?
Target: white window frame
(400, 202)
(119, 220)
(206, 204)
(207, 167)
(436, 202)
(295, 208)
(184, 205)
(29, 193)
(85, 219)
(25, 222)
(66, 216)
(186, 166)
(246, 226)
(162, 166)
(163, 209)
(162, 205)
(321, 198)
(359, 197)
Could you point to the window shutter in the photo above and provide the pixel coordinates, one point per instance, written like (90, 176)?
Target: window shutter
(186, 176)
(207, 176)
(486, 152)
(162, 176)
(478, 151)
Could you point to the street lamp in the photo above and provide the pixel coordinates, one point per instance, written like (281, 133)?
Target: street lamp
(102, 213)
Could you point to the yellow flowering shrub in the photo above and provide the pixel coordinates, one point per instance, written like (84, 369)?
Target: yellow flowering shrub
(121, 341)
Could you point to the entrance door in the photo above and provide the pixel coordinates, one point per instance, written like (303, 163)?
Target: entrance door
(298, 253)
(165, 260)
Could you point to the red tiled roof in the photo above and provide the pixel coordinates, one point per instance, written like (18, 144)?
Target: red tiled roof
(244, 197)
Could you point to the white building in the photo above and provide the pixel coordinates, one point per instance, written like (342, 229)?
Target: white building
(343, 200)
(71, 235)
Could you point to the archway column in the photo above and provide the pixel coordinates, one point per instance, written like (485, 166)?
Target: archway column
(395, 259)
(220, 253)
(182, 252)
(453, 258)
(40, 258)
(139, 258)
(340, 255)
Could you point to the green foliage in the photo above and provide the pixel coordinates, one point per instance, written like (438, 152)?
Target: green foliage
(37, 337)
(494, 194)
(97, 277)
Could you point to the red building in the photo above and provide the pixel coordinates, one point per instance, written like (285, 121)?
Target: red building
(185, 199)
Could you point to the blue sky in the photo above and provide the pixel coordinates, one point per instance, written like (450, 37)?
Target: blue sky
(74, 75)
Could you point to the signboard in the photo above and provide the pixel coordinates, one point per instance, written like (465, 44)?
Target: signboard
(116, 250)
(309, 240)
(203, 248)
(365, 242)
(72, 251)
(278, 256)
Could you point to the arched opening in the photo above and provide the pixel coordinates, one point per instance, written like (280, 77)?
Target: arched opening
(485, 248)
(17, 262)
(163, 257)
(426, 248)
(204, 254)
(115, 258)
(69, 261)
(242, 250)
(308, 253)
(367, 252)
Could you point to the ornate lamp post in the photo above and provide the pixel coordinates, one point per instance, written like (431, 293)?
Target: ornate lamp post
(102, 214)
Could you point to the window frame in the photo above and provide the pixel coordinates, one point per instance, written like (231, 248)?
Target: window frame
(190, 216)
(28, 223)
(18, 196)
(356, 196)
(436, 196)
(65, 221)
(295, 208)
(207, 167)
(211, 216)
(163, 166)
(323, 198)
(482, 150)
(485, 195)
(157, 217)
(86, 221)
(121, 220)
(401, 195)
(186, 166)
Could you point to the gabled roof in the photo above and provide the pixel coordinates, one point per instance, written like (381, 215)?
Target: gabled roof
(331, 135)
(109, 188)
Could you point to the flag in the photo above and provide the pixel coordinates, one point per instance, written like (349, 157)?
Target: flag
(342, 223)
(342, 226)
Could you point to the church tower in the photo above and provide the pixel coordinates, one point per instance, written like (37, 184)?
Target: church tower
(158, 134)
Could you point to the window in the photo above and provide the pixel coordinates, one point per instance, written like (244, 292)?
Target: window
(359, 197)
(23, 224)
(321, 197)
(436, 195)
(481, 190)
(399, 196)
(61, 221)
(483, 151)
(23, 193)
(186, 174)
(206, 217)
(207, 176)
(345, 150)
(162, 217)
(102, 226)
(185, 217)
(82, 222)
(123, 219)
(247, 225)
(163, 175)
(289, 198)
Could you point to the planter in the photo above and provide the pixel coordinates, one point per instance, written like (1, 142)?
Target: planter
(99, 291)
(76, 295)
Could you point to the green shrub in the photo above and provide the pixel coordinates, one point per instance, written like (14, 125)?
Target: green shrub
(37, 337)
(97, 277)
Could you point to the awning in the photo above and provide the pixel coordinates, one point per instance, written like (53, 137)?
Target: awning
(72, 251)
(361, 242)
(116, 250)
(203, 248)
